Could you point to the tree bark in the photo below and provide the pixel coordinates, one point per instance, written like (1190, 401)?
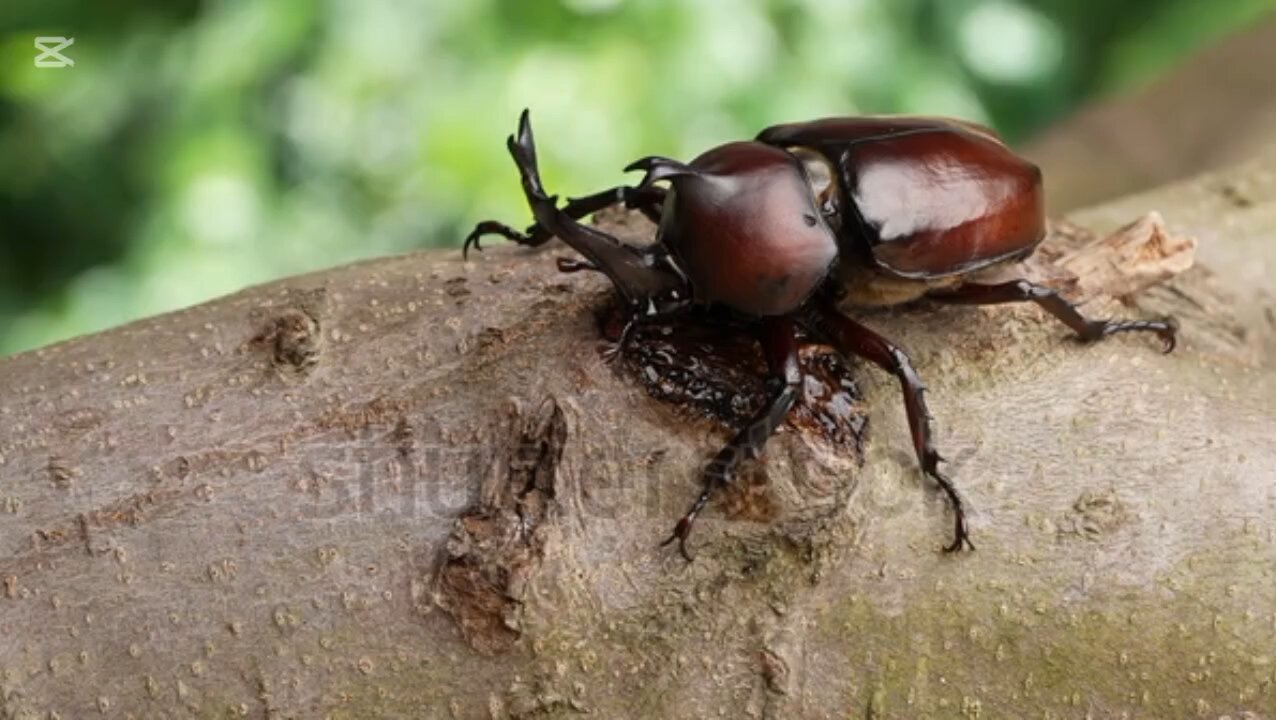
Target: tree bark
(411, 487)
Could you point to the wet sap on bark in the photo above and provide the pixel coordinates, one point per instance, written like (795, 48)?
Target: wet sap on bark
(710, 364)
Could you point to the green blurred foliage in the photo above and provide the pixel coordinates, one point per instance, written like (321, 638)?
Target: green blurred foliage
(198, 147)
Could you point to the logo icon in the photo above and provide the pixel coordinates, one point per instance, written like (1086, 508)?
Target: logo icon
(51, 52)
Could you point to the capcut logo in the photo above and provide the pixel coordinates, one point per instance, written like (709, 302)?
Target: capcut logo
(51, 48)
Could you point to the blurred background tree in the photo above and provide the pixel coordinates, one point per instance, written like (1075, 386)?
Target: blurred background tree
(198, 147)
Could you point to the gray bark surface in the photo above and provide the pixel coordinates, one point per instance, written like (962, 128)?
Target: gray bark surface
(411, 487)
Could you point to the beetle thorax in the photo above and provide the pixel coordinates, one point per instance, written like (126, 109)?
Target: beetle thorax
(745, 228)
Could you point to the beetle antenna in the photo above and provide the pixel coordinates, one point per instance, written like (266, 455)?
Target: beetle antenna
(659, 168)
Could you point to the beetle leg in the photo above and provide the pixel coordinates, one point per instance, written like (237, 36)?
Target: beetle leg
(638, 317)
(647, 200)
(634, 316)
(780, 345)
(644, 276)
(1050, 301)
(572, 265)
(852, 338)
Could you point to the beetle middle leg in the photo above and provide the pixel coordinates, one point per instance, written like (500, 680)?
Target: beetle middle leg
(853, 338)
(780, 345)
(1052, 302)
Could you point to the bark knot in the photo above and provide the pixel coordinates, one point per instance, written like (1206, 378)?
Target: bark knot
(293, 339)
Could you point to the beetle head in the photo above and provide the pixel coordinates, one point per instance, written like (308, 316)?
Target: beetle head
(743, 223)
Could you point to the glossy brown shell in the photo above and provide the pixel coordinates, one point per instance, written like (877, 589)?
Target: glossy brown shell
(745, 229)
(926, 197)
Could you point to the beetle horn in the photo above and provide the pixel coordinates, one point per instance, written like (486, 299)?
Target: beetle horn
(660, 168)
(522, 147)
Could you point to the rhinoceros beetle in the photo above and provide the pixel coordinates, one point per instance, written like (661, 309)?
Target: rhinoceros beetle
(809, 216)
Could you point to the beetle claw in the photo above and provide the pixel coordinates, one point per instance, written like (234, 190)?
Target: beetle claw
(1169, 334)
(618, 348)
(472, 240)
(492, 227)
(958, 542)
(613, 351)
(961, 533)
(680, 533)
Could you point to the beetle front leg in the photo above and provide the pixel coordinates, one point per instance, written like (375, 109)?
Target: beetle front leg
(646, 200)
(853, 338)
(780, 345)
(1052, 302)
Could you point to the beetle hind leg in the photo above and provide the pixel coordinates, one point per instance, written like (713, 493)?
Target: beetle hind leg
(1047, 299)
(780, 345)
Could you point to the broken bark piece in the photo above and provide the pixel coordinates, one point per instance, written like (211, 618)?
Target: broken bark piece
(1081, 265)
(499, 541)
(1134, 257)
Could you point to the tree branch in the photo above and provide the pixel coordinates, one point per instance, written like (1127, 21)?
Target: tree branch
(412, 487)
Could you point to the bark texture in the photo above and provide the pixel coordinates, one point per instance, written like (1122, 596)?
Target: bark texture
(412, 488)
